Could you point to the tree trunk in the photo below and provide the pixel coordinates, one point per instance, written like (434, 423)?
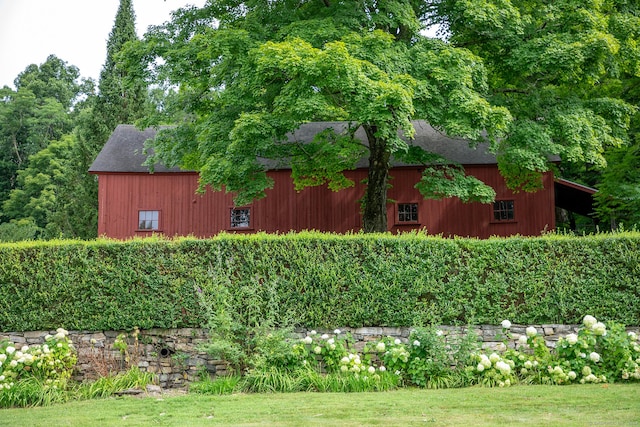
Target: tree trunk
(374, 217)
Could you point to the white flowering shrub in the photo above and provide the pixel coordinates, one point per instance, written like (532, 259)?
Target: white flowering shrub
(494, 369)
(428, 358)
(52, 362)
(601, 352)
(597, 353)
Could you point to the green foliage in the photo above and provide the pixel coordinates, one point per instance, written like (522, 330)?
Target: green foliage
(244, 88)
(317, 280)
(216, 386)
(597, 353)
(36, 374)
(110, 385)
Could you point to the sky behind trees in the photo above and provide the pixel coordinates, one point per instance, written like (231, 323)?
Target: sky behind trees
(76, 31)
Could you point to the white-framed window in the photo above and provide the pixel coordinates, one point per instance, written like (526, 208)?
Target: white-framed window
(148, 220)
(240, 217)
(504, 210)
(407, 213)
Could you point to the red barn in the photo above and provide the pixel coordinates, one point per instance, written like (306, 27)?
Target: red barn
(133, 202)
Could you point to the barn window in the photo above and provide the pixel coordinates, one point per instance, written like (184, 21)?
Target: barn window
(240, 218)
(407, 212)
(503, 210)
(148, 220)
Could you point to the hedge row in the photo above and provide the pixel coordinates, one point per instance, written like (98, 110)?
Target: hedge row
(319, 280)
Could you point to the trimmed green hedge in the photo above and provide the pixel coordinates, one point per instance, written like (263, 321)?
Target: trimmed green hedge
(319, 280)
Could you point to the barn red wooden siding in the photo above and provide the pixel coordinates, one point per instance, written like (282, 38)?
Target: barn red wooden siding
(182, 212)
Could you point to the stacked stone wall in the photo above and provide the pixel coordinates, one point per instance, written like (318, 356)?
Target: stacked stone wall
(176, 356)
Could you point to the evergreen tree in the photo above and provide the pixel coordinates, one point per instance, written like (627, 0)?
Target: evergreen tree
(116, 102)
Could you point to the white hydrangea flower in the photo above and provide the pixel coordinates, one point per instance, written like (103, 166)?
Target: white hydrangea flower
(313, 332)
(382, 368)
(572, 339)
(633, 336)
(480, 367)
(332, 346)
(371, 370)
(331, 341)
(485, 361)
(13, 363)
(416, 343)
(380, 347)
(506, 324)
(345, 360)
(599, 329)
(522, 339)
(589, 321)
(503, 367)
(10, 350)
(317, 349)
(337, 331)
(344, 368)
(528, 364)
(307, 340)
(558, 370)
(586, 371)
(531, 331)
(494, 357)
(324, 336)
(439, 332)
(572, 375)
(397, 341)
(595, 357)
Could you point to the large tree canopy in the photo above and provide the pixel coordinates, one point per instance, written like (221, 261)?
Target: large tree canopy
(248, 73)
(559, 67)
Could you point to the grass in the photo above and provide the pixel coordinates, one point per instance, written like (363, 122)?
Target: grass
(576, 405)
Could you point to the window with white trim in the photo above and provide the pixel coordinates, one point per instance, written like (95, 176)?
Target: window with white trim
(148, 220)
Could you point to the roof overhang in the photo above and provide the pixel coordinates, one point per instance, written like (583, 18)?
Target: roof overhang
(574, 197)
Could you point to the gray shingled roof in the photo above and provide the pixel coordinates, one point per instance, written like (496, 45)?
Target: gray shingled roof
(123, 152)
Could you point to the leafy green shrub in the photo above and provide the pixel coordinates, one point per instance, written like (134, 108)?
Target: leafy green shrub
(318, 280)
(36, 374)
(597, 353)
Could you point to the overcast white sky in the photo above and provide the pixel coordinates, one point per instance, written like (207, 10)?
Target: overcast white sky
(76, 31)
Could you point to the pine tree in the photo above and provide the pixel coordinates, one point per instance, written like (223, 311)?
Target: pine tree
(117, 103)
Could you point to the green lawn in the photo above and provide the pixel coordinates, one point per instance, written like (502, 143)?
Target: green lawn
(578, 405)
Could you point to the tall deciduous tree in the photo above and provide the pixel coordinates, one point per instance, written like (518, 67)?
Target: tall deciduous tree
(249, 73)
(565, 70)
(37, 112)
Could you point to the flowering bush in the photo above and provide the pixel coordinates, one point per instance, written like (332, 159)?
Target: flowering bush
(51, 362)
(335, 354)
(428, 358)
(598, 352)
